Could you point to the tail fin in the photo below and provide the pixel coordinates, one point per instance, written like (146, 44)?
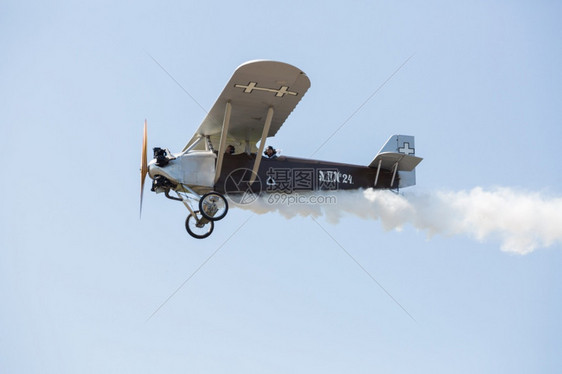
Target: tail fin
(398, 156)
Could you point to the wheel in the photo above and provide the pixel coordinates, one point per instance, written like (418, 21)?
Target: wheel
(213, 206)
(200, 231)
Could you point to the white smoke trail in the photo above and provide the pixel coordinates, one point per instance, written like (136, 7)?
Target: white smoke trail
(522, 221)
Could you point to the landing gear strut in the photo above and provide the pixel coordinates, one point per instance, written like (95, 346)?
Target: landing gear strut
(212, 206)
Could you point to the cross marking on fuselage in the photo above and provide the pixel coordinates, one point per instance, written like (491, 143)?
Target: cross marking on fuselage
(253, 86)
(406, 149)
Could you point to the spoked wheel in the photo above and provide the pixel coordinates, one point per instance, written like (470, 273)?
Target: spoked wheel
(213, 206)
(201, 230)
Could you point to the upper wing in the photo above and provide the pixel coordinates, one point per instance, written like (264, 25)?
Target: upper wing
(254, 87)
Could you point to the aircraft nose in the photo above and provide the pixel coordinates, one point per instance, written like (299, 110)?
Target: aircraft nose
(151, 168)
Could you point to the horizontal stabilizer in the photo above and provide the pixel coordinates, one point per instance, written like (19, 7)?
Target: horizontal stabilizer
(389, 159)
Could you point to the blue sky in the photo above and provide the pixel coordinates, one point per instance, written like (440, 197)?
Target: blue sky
(80, 275)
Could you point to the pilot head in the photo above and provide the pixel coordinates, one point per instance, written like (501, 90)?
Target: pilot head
(270, 151)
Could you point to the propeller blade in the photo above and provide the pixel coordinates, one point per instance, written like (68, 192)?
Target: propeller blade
(144, 166)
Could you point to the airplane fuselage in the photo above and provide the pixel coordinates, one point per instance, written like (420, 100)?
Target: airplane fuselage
(196, 170)
(292, 174)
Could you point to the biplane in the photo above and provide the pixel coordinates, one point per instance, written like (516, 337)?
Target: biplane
(225, 159)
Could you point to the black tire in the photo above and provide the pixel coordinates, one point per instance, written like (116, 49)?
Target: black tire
(191, 230)
(216, 199)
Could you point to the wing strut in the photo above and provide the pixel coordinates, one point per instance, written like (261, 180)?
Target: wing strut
(394, 173)
(187, 149)
(378, 171)
(262, 144)
(222, 142)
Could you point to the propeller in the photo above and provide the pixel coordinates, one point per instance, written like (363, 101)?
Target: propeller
(144, 166)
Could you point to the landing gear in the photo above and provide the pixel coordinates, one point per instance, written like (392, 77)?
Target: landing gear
(199, 228)
(213, 206)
